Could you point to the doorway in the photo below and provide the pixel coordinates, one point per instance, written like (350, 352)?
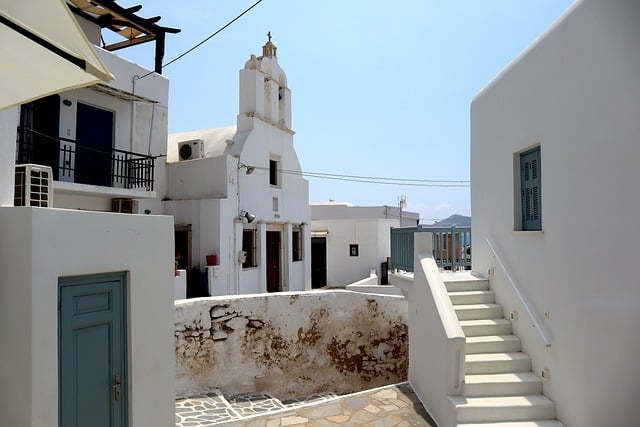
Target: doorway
(92, 351)
(273, 261)
(94, 137)
(318, 262)
(41, 146)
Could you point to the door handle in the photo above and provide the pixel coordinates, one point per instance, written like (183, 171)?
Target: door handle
(116, 387)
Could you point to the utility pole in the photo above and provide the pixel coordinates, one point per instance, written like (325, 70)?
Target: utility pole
(402, 202)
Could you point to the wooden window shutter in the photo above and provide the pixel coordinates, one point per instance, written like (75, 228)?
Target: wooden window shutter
(531, 190)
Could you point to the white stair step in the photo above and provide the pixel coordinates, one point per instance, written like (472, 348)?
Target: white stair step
(496, 363)
(506, 408)
(465, 285)
(509, 384)
(472, 297)
(478, 311)
(493, 344)
(539, 423)
(474, 328)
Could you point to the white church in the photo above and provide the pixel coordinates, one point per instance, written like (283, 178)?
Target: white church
(239, 202)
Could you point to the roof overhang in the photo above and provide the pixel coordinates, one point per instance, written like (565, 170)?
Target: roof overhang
(43, 52)
(124, 22)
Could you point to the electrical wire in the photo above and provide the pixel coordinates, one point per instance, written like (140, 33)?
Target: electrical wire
(375, 180)
(205, 40)
(212, 35)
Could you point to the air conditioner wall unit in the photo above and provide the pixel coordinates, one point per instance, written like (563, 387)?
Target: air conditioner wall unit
(33, 186)
(192, 149)
(123, 205)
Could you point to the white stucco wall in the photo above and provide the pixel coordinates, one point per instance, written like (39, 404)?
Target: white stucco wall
(8, 132)
(373, 240)
(576, 92)
(39, 246)
(341, 210)
(201, 178)
(290, 344)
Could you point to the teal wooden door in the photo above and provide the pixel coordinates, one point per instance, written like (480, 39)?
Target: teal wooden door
(92, 368)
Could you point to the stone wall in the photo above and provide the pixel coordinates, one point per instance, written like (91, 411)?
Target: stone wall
(290, 344)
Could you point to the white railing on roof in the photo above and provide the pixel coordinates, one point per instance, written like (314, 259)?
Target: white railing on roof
(532, 315)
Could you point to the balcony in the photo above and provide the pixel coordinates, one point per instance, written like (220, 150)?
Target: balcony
(83, 163)
(451, 247)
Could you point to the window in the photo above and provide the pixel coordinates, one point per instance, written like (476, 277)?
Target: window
(249, 247)
(353, 250)
(274, 173)
(531, 190)
(296, 244)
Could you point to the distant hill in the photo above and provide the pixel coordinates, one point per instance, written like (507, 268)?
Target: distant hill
(454, 220)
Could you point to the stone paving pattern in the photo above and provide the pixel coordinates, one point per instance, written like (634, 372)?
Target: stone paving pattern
(395, 405)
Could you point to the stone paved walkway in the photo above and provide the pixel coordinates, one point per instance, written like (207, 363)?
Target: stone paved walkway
(395, 405)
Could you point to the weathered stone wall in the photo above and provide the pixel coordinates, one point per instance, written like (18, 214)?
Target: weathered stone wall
(290, 344)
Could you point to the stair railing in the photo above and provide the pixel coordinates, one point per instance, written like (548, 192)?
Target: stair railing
(532, 315)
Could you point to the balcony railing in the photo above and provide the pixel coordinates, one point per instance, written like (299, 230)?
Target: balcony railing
(83, 163)
(451, 247)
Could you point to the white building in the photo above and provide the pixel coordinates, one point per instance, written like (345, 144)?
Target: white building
(86, 307)
(103, 141)
(236, 192)
(348, 242)
(565, 115)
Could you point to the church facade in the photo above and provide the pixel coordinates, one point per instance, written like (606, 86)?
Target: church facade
(240, 204)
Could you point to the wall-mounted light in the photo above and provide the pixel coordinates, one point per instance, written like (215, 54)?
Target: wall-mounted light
(249, 217)
(67, 102)
(248, 169)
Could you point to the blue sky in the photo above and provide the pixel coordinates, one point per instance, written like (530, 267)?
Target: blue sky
(379, 88)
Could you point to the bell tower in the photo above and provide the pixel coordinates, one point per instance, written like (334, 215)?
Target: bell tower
(263, 89)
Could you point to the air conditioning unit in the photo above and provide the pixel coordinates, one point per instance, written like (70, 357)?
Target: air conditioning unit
(128, 206)
(189, 150)
(33, 186)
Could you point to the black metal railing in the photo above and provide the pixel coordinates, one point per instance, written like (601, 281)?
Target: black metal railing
(84, 163)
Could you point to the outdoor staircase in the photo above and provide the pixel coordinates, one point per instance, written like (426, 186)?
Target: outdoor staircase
(499, 388)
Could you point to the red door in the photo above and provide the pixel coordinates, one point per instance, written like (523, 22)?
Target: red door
(273, 261)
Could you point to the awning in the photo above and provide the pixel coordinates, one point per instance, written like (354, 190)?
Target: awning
(43, 52)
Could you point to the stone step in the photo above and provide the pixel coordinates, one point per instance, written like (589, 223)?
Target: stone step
(539, 423)
(467, 284)
(505, 408)
(474, 328)
(478, 311)
(472, 297)
(509, 384)
(493, 344)
(496, 363)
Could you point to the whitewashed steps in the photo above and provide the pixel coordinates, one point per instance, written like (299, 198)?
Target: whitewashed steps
(472, 297)
(539, 423)
(478, 311)
(474, 328)
(503, 408)
(499, 388)
(496, 363)
(466, 285)
(507, 384)
(493, 344)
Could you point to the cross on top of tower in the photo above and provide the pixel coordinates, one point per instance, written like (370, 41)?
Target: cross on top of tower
(269, 49)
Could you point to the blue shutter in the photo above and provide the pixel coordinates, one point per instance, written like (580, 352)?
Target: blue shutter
(531, 190)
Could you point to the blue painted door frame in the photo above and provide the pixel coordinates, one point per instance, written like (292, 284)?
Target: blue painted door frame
(92, 351)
